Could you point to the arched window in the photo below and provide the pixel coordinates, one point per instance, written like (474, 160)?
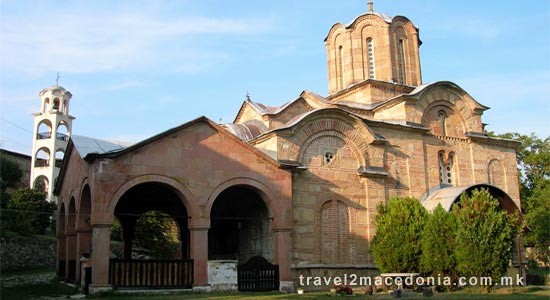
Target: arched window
(62, 131)
(341, 66)
(46, 105)
(442, 116)
(59, 155)
(446, 167)
(42, 158)
(370, 58)
(401, 61)
(55, 104)
(44, 130)
(334, 233)
(41, 183)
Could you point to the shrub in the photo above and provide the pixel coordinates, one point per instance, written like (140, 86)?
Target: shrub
(396, 246)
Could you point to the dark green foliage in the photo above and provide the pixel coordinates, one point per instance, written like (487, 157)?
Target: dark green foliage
(533, 158)
(484, 235)
(438, 244)
(10, 174)
(28, 212)
(396, 246)
(155, 231)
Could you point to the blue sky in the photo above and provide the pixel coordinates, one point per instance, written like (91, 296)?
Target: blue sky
(137, 68)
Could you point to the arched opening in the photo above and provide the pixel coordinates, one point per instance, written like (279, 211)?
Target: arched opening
(84, 229)
(152, 223)
(240, 226)
(41, 183)
(341, 66)
(62, 132)
(61, 241)
(42, 158)
(147, 211)
(46, 105)
(56, 104)
(71, 241)
(44, 130)
(65, 107)
(59, 155)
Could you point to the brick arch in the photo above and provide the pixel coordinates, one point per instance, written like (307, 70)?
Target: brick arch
(185, 196)
(262, 189)
(402, 22)
(367, 20)
(462, 104)
(335, 222)
(452, 110)
(331, 122)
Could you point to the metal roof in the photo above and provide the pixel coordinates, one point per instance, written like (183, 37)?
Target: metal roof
(86, 145)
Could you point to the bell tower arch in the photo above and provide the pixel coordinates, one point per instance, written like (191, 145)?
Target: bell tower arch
(52, 129)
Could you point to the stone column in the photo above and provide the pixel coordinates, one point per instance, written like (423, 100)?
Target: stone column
(100, 258)
(199, 254)
(283, 247)
(83, 244)
(70, 257)
(61, 250)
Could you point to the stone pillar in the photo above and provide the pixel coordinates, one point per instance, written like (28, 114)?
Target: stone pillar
(70, 257)
(199, 254)
(83, 244)
(61, 250)
(100, 258)
(283, 247)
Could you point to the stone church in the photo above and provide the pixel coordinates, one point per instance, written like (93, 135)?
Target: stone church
(296, 184)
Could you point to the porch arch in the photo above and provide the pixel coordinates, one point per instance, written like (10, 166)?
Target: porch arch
(185, 196)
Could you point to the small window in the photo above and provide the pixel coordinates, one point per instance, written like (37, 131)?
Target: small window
(329, 157)
(442, 116)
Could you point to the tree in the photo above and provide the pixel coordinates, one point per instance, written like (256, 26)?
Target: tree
(438, 244)
(155, 231)
(29, 212)
(396, 246)
(533, 157)
(484, 235)
(10, 176)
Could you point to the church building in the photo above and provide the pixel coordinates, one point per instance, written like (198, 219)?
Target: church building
(296, 185)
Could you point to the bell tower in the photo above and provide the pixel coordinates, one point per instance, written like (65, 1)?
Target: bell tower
(52, 129)
(373, 46)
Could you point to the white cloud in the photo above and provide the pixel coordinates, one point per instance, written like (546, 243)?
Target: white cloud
(100, 41)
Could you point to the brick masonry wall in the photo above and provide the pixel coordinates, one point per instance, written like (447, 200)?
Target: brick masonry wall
(25, 253)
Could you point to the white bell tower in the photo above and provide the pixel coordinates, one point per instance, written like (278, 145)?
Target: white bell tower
(52, 129)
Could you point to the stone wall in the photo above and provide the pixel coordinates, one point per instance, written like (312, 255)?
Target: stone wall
(26, 253)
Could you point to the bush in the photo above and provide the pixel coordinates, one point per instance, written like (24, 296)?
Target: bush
(396, 246)
(484, 235)
(438, 244)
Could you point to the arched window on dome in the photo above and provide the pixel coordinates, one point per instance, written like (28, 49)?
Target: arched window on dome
(401, 61)
(341, 66)
(370, 58)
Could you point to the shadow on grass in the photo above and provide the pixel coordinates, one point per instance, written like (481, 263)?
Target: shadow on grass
(25, 292)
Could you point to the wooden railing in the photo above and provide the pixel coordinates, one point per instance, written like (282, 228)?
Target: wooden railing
(140, 273)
